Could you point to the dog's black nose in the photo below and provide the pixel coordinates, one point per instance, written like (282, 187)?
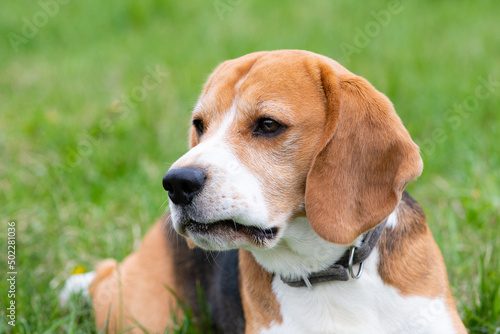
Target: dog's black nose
(183, 184)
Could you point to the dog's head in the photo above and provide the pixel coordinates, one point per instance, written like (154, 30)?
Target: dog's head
(283, 134)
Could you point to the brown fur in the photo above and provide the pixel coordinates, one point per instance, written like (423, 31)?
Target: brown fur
(410, 260)
(367, 159)
(134, 292)
(259, 303)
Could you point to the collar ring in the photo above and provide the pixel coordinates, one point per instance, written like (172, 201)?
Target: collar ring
(351, 260)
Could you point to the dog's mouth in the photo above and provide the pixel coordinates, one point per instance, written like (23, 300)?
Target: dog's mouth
(229, 227)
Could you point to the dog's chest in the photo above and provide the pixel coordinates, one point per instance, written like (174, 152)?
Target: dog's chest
(366, 305)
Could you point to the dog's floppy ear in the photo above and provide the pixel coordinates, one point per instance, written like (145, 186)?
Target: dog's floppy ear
(363, 163)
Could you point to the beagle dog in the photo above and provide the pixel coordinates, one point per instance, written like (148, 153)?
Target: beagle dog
(293, 191)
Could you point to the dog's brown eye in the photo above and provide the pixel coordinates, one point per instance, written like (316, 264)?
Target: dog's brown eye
(268, 127)
(198, 125)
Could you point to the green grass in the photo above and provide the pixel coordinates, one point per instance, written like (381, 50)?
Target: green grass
(60, 105)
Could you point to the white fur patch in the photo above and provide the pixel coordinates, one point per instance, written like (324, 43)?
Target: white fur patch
(299, 251)
(392, 220)
(74, 285)
(365, 305)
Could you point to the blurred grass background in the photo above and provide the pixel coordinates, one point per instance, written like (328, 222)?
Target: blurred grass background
(65, 79)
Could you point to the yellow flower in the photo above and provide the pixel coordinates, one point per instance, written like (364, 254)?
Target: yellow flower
(79, 269)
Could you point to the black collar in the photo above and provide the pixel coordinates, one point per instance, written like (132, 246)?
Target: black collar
(341, 269)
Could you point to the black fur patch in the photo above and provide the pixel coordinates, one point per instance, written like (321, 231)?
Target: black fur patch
(217, 274)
